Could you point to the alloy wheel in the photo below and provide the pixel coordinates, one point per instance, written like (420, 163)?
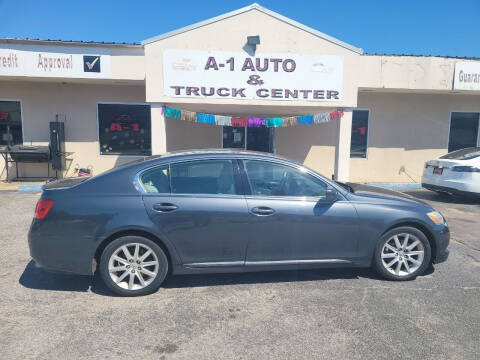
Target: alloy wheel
(133, 266)
(402, 254)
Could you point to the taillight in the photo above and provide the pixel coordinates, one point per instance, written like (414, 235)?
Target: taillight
(42, 208)
(465, 169)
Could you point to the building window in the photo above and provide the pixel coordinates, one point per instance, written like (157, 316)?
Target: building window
(358, 145)
(10, 123)
(463, 130)
(124, 129)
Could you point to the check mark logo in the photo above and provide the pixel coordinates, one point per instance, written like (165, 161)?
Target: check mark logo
(91, 65)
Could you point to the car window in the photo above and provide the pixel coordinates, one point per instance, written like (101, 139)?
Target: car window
(272, 179)
(156, 180)
(203, 177)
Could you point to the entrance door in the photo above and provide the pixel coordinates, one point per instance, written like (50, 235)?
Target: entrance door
(248, 138)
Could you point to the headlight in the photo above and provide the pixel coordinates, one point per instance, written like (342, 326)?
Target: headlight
(436, 217)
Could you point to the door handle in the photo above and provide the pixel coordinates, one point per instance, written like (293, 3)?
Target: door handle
(262, 211)
(165, 207)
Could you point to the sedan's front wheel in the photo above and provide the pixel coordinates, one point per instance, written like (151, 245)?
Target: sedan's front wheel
(133, 266)
(402, 253)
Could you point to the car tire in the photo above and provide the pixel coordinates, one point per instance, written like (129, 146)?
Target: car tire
(140, 270)
(413, 256)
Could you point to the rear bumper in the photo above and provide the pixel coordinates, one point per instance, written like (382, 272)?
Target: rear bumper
(452, 182)
(449, 190)
(56, 254)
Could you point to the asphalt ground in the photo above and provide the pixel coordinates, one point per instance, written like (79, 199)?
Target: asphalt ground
(321, 314)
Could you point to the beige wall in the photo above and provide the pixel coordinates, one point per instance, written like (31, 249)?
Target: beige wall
(405, 130)
(410, 99)
(182, 135)
(42, 101)
(312, 145)
(128, 63)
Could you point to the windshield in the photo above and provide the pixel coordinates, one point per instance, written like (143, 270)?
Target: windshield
(463, 154)
(345, 186)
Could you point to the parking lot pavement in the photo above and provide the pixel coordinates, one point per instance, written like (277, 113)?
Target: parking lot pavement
(323, 314)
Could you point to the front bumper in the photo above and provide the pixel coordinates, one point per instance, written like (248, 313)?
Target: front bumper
(442, 239)
(442, 257)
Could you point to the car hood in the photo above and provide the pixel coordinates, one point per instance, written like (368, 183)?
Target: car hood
(378, 195)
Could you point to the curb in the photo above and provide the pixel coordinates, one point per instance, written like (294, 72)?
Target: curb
(29, 187)
(396, 185)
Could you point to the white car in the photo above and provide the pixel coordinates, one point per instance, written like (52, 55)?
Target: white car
(457, 173)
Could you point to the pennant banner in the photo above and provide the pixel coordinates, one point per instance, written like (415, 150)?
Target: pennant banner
(223, 120)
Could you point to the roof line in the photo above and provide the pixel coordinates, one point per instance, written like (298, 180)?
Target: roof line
(68, 42)
(425, 55)
(254, 6)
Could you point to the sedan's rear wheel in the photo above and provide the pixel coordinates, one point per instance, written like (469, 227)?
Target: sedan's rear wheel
(133, 265)
(402, 253)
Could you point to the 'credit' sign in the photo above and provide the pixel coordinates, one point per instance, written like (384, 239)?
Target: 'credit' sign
(26, 61)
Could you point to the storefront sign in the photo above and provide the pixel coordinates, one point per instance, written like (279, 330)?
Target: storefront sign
(467, 76)
(204, 74)
(22, 62)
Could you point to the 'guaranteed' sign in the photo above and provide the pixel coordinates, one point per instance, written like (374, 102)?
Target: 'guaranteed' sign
(215, 74)
(467, 76)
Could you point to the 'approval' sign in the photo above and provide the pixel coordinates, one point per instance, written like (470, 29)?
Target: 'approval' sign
(23, 62)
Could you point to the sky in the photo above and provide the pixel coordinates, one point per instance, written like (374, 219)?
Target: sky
(423, 27)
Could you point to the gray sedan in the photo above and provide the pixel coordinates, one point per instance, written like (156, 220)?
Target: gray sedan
(227, 211)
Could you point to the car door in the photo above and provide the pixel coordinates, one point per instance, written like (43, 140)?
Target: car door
(198, 207)
(292, 221)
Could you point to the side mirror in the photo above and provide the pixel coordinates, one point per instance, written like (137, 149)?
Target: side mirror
(331, 195)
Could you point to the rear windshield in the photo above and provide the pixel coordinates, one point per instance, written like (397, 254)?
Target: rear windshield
(125, 164)
(463, 154)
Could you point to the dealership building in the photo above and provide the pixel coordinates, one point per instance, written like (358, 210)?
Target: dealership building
(250, 79)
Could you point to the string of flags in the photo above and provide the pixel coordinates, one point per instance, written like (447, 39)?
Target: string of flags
(223, 120)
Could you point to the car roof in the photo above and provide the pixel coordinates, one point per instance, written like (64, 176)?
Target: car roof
(154, 160)
(216, 152)
(204, 153)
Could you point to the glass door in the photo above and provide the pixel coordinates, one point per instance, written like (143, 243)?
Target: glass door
(248, 138)
(260, 139)
(234, 137)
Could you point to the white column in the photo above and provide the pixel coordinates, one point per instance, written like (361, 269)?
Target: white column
(159, 133)
(342, 151)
